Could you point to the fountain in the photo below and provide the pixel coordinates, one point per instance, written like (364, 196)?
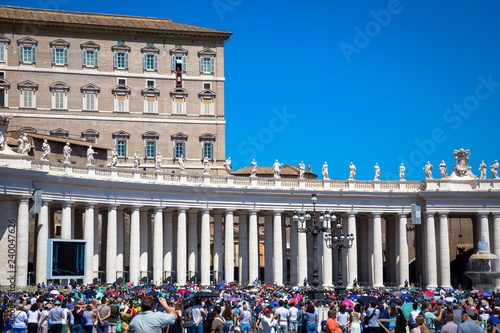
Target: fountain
(480, 263)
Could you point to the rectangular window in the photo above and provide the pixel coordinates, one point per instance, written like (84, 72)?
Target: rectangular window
(147, 44)
(90, 59)
(207, 104)
(2, 75)
(2, 52)
(59, 57)
(179, 150)
(120, 60)
(120, 42)
(150, 104)
(27, 54)
(120, 102)
(178, 105)
(121, 148)
(59, 100)
(206, 86)
(28, 99)
(122, 82)
(150, 62)
(207, 150)
(2, 97)
(90, 99)
(150, 149)
(150, 83)
(206, 65)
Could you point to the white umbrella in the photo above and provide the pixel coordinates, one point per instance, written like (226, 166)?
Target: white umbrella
(54, 292)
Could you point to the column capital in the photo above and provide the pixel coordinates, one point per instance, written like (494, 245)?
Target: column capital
(66, 203)
(402, 214)
(182, 209)
(483, 214)
(229, 211)
(206, 211)
(377, 214)
(158, 209)
(90, 204)
(277, 212)
(430, 214)
(112, 206)
(351, 214)
(253, 211)
(443, 214)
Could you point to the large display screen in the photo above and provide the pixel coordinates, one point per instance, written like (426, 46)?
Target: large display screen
(66, 259)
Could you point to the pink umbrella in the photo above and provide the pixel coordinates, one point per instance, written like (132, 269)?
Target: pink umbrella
(299, 297)
(348, 303)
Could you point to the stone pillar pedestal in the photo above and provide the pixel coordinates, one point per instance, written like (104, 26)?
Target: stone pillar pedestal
(326, 183)
(376, 184)
(277, 182)
(402, 184)
(351, 183)
(183, 178)
(206, 179)
(137, 175)
(253, 180)
(92, 171)
(159, 176)
(114, 173)
(302, 183)
(230, 180)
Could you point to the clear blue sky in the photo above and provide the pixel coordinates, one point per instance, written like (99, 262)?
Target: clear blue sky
(341, 81)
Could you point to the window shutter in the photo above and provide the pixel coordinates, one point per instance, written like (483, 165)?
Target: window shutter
(53, 55)
(179, 100)
(120, 97)
(184, 63)
(201, 65)
(2, 56)
(115, 59)
(212, 65)
(84, 58)
(150, 99)
(21, 51)
(33, 55)
(144, 61)
(156, 62)
(173, 62)
(126, 60)
(96, 58)
(66, 56)
(207, 101)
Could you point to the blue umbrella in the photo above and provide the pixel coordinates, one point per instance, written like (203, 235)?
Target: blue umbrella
(222, 285)
(274, 304)
(171, 288)
(487, 294)
(353, 297)
(407, 295)
(137, 288)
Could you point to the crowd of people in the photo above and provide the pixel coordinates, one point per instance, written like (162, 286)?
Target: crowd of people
(231, 308)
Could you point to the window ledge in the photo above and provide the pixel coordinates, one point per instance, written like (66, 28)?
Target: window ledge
(84, 110)
(179, 114)
(60, 65)
(54, 109)
(207, 115)
(125, 112)
(25, 108)
(150, 112)
(121, 69)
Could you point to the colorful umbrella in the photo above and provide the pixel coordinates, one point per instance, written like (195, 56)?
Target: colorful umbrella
(233, 299)
(292, 301)
(299, 297)
(407, 308)
(353, 297)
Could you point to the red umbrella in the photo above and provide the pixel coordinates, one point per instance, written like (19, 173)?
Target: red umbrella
(292, 301)
(182, 291)
(429, 293)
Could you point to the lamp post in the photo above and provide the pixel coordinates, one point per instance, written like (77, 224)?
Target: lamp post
(339, 241)
(314, 224)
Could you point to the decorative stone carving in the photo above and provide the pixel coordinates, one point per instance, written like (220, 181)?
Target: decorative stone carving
(182, 167)
(206, 166)
(482, 169)
(254, 169)
(442, 170)
(462, 170)
(377, 171)
(137, 160)
(352, 171)
(428, 170)
(67, 153)
(277, 168)
(228, 166)
(494, 170)
(90, 156)
(302, 170)
(23, 145)
(46, 150)
(324, 170)
(4, 124)
(114, 158)
(402, 170)
(158, 160)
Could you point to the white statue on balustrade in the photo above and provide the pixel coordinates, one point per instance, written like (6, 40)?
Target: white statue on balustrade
(23, 145)
(428, 170)
(482, 169)
(137, 160)
(462, 169)
(352, 171)
(254, 169)
(442, 170)
(302, 170)
(206, 166)
(67, 153)
(402, 170)
(90, 156)
(377, 172)
(494, 170)
(182, 167)
(4, 125)
(158, 160)
(228, 166)
(324, 170)
(277, 168)
(114, 158)
(46, 150)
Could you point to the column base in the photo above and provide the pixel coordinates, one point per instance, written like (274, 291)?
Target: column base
(447, 287)
(431, 286)
(378, 286)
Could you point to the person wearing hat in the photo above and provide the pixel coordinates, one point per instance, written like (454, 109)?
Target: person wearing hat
(56, 315)
(468, 325)
(268, 322)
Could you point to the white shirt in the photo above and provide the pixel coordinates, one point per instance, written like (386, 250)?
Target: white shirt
(33, 317)
(293, 313)
(283, 314)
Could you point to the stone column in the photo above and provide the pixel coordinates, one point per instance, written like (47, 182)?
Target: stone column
(268, 249)
(41, 251)
(168, 245)
(484, 227)
(9, 208)
(496, 244)
(277, 249)
(158, 247)
(111, 245)
(378, 262)
(371, 269)
(301, 257)
(229, 247)
(430, 244)
(352, 254)
(444, 250)
(143, 261)
(66, 221)
(135, 247)
(120, 255)
(192, 244)
(205, 247)
(253, 247)
(327, 262)
(181, 246)
(22, 248)
(88, 235)
(217, 247)
(243, 248)
(404, 273)
(96, 244)
(294, 253)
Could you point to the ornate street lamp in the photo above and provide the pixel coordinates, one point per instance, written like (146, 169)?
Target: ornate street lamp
(339, 241)
(314, 224)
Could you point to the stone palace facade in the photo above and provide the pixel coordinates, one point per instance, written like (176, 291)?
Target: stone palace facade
(157, 87)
